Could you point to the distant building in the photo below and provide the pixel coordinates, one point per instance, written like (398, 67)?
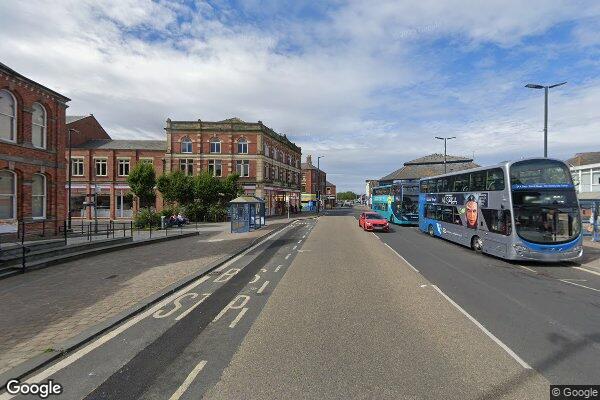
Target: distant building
(330, 194)
(585, 169)
(32, 147)
(424, 167)
(313, 182)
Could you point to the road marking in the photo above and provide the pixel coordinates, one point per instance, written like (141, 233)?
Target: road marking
(527, 268)
(587, 270)
(295, 247)
(304, 237)
(188, 381)
(402, 258)
(484, 330)
(122, 328)
(239, 316)
(189, 310)
(264, 285)
(277, 269)
(232, 306)
(299, 241)
(577, 284)
(288, 256)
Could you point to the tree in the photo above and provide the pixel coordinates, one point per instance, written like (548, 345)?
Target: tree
(176, 187)
(142, 180)
(347, 196)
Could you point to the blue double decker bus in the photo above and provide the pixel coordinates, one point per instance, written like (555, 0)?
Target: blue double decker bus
(398, 202)
(523, 210)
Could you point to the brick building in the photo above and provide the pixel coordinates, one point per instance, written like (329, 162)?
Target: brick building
(32, 145)
(100, 168)
(312, 179)
(86, 128)
(330, 194)
(268, 163)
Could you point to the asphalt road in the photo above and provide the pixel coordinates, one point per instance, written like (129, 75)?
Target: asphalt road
(549, 315)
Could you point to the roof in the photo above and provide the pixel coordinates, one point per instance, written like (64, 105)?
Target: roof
(327, 183)
(5, 68)
(430, 165)
(580, 159)
(246, 199)
(74, 118)
(160, 145)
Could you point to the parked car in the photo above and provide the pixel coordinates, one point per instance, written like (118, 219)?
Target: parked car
(371, 221)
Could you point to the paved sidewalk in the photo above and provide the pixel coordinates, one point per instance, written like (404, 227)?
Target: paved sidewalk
(42, 309)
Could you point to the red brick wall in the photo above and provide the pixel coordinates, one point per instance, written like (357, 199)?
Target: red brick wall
(87, 128)
(25, 160)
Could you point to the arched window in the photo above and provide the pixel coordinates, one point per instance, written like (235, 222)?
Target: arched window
(242, 146)
(8, 195)
(215, 145)
(38, 196)
(38, 126)
(8, 116)
(186, 145)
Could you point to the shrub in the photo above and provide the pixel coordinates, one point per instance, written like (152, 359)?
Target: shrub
(145, 217)
(195, 211)
(217, 212)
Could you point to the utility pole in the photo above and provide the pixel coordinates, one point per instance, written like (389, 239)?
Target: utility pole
(546, 88)
(445, 139)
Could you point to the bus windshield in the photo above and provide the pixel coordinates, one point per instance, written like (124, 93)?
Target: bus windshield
(544, 202)
(410, 204)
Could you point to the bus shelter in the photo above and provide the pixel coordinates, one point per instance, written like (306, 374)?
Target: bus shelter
(590, 218)
(247, 214)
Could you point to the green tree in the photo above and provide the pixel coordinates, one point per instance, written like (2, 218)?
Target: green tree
(347, 196)
(176, 187)
(142, 180)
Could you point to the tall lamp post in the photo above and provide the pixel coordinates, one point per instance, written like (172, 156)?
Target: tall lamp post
(545, 87)
(319, 184)
(445, 139)
(70, 177)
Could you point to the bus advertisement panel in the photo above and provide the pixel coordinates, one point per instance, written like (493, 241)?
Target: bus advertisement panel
(526, 210)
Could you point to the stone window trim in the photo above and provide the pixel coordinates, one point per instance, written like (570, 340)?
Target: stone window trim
(76, 171)
(96, 163)
(42, 126)
(42, 196)
(14, 118)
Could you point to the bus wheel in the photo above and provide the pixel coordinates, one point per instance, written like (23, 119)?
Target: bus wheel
(430, 231)
(477, 244)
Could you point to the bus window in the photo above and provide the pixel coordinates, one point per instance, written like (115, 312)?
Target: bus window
(495, 179)
(478, 181)
(424, 186)
(456, 217)
(497, 221)
(444, 187)
(429, 211)
(447, 214)
(461, 183)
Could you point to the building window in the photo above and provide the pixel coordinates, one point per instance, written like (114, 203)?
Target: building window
(186, 165)
(215, 146)
(242, 167)
(215, 167)
(38, 126)
(8, 195)
(77, 166)
(124, 205)
(266, 176)
(101, 166)
(8, 116)
(38, 196)
(123, 167)
(242, 146)
(186, 145)
(146, 161)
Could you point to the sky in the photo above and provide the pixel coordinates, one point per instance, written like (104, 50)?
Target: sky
(366, 84)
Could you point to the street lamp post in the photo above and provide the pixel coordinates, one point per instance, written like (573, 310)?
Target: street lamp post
(545, 87)
(445, 139)
(319, 184)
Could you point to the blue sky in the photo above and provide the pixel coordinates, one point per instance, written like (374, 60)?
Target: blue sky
(365, 84)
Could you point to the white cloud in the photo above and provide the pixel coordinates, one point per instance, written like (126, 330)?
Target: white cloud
(135, 63)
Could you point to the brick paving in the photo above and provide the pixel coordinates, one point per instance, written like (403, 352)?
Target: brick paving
(41, 309)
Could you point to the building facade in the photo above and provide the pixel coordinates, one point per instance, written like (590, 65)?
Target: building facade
(268, 163)
(32, 146)
(330, 195)
(314, 182)
(585, 169)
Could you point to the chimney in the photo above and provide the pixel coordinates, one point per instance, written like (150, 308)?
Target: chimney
(308, 159)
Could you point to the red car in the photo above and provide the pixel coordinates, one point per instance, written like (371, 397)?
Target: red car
(371, 221)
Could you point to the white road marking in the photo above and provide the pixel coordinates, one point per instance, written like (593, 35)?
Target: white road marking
(299, 241)
(43, 375)
(264, 285)
(402, 258)
(188, 381)
(423, 285)
(527, 268)
(295, 247)
(484, 330)
(288, 256)
(304, 237)
(239, 316)
(277, 269)
(577, 284)
(189, 310)
(255, 279)
(587, 270)
(231, 305)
